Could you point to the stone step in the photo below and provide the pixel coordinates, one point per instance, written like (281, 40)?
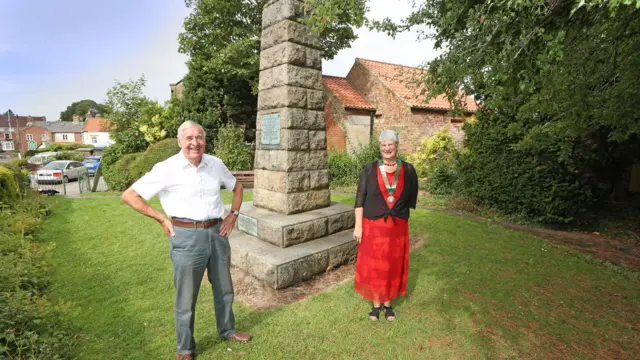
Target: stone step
(282, 267)
(289, 230)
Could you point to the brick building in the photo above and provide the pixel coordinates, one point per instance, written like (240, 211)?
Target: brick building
(12, 132)
(395, 97)
(53, 132)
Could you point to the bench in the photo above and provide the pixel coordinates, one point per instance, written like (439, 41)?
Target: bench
(244, 177)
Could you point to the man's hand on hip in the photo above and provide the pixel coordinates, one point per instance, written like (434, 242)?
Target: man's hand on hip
(167, 226)
(227, 225)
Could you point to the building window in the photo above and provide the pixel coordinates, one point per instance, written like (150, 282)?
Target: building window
(44, 137)
(7, 136)
(94, 139)
(29, 137)
(7, 146)
(65, 137)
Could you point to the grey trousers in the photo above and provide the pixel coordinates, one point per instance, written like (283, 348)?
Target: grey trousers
(192, 251)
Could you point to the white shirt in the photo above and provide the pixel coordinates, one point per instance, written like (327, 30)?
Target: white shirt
(187, 191)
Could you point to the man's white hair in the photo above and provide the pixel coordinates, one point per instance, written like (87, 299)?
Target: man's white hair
(188, 124)
(389, 135)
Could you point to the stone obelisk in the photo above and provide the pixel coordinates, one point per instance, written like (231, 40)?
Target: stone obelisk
(291, 231)
(291, 173)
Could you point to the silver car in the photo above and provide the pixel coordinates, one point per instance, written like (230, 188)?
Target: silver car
(59, 171)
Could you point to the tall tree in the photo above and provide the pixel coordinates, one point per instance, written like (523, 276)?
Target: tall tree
(81, 108)
(222, 40)
(557, 80)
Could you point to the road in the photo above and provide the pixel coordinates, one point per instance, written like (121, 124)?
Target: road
(72, 187)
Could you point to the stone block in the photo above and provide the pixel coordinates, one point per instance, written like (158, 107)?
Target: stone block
(302, 269)
(291, 203)
(290, 53)
(318, 179)
(282, 160)
(303, 232)
(292, 75)
(340, 222)
(280, 10)
(281, 181)
(317, 140)
(315, 99)
(343, 254)
(282, 267)
(290, 139)
(313, 58)
(288, 31)
(295, 118)
(284, 96)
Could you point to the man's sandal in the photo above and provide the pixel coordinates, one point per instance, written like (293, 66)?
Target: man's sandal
(375, 313)
(388, 312)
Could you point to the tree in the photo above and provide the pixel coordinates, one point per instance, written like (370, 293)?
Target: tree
(559, 123)
(126, 102)
(8, 112)
(222, 39)
(81, 108)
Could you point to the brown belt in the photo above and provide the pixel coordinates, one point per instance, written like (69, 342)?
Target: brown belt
(187, 223)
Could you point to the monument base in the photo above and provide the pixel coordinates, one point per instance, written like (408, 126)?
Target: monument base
(284, 249)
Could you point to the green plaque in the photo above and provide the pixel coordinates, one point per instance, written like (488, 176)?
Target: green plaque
(32, 145)
(270, 127)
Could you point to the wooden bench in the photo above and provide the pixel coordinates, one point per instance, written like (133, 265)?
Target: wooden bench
(244, 177)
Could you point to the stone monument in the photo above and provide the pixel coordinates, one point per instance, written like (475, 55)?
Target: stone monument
(291, 230)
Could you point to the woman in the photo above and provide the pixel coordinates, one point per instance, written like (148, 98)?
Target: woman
(386, 190)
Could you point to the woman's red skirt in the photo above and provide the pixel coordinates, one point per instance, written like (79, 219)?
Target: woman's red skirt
(382, 264)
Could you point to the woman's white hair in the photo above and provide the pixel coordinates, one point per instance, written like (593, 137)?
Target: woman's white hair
(389, 135)
(188, 124)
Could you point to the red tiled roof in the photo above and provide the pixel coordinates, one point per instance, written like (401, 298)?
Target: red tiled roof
(405, 82)
(96, 124)
(343, 90)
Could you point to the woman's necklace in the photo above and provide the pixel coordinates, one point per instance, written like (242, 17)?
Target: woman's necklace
(391, 188)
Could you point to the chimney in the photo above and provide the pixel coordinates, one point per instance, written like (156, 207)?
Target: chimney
(76, 119)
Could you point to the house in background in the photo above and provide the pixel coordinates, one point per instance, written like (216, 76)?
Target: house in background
(399, 102)
(96, 132)
(12, 136)
(177, 88)
(63, 132)
(355, 113)
(36, 136)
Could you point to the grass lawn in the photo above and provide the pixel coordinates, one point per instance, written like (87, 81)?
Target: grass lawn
(477, 291)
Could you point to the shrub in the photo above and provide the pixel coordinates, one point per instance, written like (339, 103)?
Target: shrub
(519, 182)
(119, 175)
(69, 155)
(31, 325)
(434, 162)
(344, 169)
(9, 186)
(156, 153)
(232, 149)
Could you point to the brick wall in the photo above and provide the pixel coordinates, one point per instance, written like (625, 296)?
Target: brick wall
(333, 113)
(393, 113)
(36, 132)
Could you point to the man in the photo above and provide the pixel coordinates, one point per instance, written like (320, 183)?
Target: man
(188, 185)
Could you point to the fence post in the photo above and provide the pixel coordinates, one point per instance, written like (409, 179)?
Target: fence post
(96, 178)
(64, 184)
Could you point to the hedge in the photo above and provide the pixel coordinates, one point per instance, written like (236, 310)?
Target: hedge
(9, 187)
(129, 168)
(31, 325)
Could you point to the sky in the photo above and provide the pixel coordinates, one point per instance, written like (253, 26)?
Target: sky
(53, 53)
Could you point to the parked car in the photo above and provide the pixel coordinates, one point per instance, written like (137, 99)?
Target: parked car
(91, 163)
(59, 171)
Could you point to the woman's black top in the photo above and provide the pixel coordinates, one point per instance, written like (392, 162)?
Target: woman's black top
(370, 198)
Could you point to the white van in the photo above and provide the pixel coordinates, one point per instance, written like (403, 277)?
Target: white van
(42, 158)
